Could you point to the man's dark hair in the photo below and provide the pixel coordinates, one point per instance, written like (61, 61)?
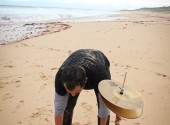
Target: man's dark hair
(73, 76)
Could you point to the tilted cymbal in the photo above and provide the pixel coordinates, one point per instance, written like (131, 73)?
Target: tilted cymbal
(128, 105)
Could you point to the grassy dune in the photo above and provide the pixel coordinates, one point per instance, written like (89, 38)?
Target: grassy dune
(157, 9)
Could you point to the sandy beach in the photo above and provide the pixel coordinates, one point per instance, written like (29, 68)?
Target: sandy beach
(139, 44)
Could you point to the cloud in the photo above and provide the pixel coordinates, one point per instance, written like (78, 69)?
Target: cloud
(115, 2)
(19, 0)
(121, 4)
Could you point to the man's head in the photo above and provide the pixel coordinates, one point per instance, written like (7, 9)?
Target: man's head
(73, 79)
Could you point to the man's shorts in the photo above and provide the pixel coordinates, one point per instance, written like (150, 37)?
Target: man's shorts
(60, 103)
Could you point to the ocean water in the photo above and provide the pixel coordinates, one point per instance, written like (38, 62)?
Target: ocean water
(18, 22)
(21, 14)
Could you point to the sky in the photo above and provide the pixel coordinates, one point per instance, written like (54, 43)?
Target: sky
(90, 4)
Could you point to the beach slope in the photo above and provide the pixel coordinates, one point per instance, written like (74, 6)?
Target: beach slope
(138, 45)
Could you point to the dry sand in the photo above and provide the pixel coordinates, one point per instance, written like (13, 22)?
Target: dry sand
(139, 45)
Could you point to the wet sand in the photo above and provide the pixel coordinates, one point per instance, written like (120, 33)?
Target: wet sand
(11, 33)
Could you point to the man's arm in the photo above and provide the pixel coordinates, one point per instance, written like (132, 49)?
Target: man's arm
(60, 104)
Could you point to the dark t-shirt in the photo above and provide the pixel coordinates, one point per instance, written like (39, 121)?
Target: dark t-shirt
(94, 63)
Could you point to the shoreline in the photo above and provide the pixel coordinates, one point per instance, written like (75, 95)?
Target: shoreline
(11, 33)
(16, 33)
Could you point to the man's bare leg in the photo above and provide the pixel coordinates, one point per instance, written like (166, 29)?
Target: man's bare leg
(103, 121)
(59, 119)
(117, 120)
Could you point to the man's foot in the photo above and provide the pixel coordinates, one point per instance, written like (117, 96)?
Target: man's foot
(117, 120)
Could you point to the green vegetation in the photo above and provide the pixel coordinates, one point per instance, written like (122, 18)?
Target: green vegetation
(156, 9)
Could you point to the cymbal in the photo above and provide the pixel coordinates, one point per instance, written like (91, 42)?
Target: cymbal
(128, 105)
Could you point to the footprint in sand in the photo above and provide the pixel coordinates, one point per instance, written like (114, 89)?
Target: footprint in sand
(17, 83)
(23, 44)
(136, 123)
(38, 66)
(41, 111)
(9, 66)
(6, 96)
(86, 106)
(20, 104)
(43, 86)
(2, 85)
(55, 68)
(43, 76)
(162, 75)
(69, 52)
